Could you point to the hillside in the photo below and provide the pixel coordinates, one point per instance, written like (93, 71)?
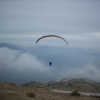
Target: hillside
(10, 91)
(82, 85)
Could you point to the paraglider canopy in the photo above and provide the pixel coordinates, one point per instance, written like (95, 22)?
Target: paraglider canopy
(50, 63)
(52, 36)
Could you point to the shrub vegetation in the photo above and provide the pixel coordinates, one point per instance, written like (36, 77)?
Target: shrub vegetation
(31, 95)
(75, 93)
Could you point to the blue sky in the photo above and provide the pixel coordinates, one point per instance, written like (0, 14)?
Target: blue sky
(23, 22)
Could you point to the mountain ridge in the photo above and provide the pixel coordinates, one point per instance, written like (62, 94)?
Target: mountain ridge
(80, 84)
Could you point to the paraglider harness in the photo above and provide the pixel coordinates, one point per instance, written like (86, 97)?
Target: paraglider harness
(50, 63)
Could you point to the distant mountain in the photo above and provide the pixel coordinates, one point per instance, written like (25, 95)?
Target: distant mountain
(82, 85)
(11, 46)
(15, 47)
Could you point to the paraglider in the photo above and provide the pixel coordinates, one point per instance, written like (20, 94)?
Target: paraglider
(52, 36)
(50, 63)
(46, 36)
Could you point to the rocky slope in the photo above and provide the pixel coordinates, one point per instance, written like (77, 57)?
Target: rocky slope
(82, 85)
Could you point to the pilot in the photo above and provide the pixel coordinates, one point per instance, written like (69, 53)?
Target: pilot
(50, 63)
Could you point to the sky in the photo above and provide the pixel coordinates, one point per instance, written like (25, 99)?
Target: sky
(22, 22)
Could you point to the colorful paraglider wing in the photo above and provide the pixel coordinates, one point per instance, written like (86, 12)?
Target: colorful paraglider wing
(52, 36)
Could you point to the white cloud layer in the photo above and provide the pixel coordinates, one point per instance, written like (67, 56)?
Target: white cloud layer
(19, 68)
(89, 70)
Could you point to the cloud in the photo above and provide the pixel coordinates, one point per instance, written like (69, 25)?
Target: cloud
(24, 22)
(88, 70)
(86, 41)
(23, 64)
(19, 67)
(59, 16)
